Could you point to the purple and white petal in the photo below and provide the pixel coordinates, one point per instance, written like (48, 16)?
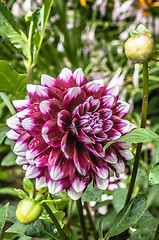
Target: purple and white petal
(21, 144)
(113, 134)
(50, 108)
(32, 172)
(40, 182)
(21, 160)
(64, 120)
(107, 125)
(126, 154)
(84, 138)
(57, 186)
(96, 149)
(124, 145)
(79, 77)
(105, 113)
(78, 184)
(37, 91)
(100, 137)
(100, 168)
(119, 167)
(51, 134)
(122, 108)
(33, 125)
(101, 183)
(111, 157)
(107, 101)
(36, 146)
(21, 104)
(12, 135)
(67, 145)
(14, 123)
(65, 75)
(47, 81)
(73, 98)
(73, 194)
(81, 159)
(112, 90)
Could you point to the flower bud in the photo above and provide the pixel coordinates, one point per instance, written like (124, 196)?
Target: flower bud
(28, 210)
(140, 48)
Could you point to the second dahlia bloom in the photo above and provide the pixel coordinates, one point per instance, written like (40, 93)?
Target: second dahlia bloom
(61, 129)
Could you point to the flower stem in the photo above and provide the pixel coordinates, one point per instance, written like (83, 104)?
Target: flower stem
(139, 145)
(69, 212)
(55, 222)
(29, 73)
(91, 221)
(81, 219)
(143, 124)
(157, 233)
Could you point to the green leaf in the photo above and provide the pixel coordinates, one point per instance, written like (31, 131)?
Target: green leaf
(100, 227)
(11, 81)
(8, 160)
(40, 17)
(38, 229)
(143, 234)
(119, 196)
(8, 190)
(92, 194)
(59, 216)
(146, 221)
(3, 212)
(128, 216)
(154, 174)
(136, 136)
(13, 36)
(28, 186)
(11, 214)
(21, 194)
(3, 130)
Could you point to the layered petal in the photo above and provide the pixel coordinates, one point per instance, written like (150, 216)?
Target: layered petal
(50, 108)
(51, 134)
(81, 159)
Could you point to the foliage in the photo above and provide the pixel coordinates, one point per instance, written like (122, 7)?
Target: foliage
(51, 36)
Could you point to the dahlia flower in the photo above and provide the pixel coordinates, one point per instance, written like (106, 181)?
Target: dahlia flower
(61, 129)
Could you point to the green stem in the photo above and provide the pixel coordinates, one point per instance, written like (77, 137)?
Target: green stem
(81, 219)
(91, 221)
(139, 145)
(69, 212)
(55, 222)
(6, 100)
(157, 233)
(143, 124)
(29, 73)
(28, 64)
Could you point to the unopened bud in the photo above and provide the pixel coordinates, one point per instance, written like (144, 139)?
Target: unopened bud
(140, 48)
(28, 210)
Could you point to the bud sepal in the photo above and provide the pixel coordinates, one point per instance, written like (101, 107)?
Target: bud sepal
(140, 47)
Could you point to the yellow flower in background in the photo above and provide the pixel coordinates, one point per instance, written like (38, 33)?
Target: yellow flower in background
(83, 3)
(146, 4)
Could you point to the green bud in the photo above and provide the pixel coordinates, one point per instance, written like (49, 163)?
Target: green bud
(140, 48)
(28, 186)
(28, 210)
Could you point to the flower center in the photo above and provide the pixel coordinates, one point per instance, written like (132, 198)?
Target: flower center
(90, 122)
